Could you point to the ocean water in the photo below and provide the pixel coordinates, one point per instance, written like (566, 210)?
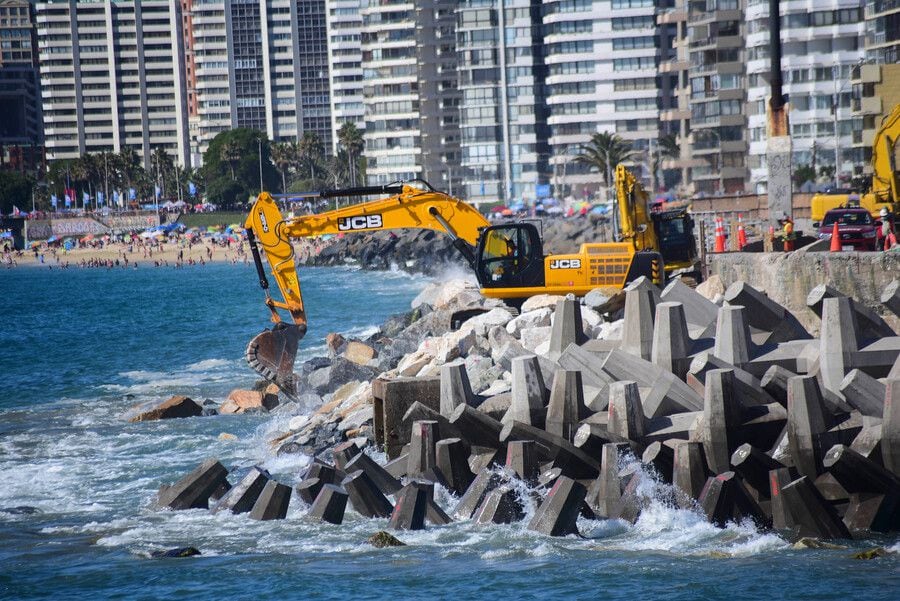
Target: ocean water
(79, 347)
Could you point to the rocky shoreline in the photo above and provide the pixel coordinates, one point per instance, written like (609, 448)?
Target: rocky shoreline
(716, 399)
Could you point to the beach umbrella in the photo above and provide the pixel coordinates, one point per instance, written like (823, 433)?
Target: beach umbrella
(506, 212)
(35, 244)
(499, 209)
(51, 239)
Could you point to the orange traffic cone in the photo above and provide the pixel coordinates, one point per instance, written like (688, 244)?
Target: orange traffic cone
(720, 236)
(742, 235)
(835, 239)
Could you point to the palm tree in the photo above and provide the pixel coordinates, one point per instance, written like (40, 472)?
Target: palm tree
(670, 150)
(284, 157)
(350, 138)
(230, 152)
(604, 152)
(311, 152)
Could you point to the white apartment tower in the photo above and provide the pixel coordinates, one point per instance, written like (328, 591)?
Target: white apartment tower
(113, 77)
(260, 64)
(411, 97)
(822, 41)
(344, 24)
(602, 58)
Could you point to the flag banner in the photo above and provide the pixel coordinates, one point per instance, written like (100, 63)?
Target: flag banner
(70, 194)
(68, 200)
(53, 200)
(16, 212)
(192, 189)
(99, 198)
(85, 197)
(131, 194)
(157, 191)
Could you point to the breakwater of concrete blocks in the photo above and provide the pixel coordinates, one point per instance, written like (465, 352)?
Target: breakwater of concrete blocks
(734, 405)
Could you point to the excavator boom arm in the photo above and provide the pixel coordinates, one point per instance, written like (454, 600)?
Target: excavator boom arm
(634, 215)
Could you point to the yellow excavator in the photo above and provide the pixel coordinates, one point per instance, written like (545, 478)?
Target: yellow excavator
(508, 259)
(885, 189)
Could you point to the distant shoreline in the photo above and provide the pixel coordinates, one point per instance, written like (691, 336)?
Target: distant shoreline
(167, 256)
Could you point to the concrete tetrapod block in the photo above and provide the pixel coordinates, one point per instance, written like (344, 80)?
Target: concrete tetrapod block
(392, 399)
(689, 472)
(421, 449)
(194, 489)
(774, 382)
(521, 459)
(451, 456)
(410, 508)
(675, 397)
(365, 497)
(858, 474)
(626, 414)
(417, 412)
(567, 327)
(699, 311)
(241, 497)
(838, 340)
(477, 428)
(343, 453)
(871, 325)
(864, 393)
(484, 482)
(309, 489)
(528, 391)
(671, 342)
(572, 460)
(433, 512)
(637, 332)
(566, 404)
(725, 499)
(662, 458)
(455, 387)
(557, 515)
(782, 518)
(890, 427)
(482, 458)
(810, 514)
(590, 438)
(806, 424)
(382, 479)
(272, 503)
(721, 419)
(890, 297)
(500, 506)
(754, 466)
(396, 468)
(330, 504)
(606, 490)
(732, 336)
(765, 314)
(747, 387)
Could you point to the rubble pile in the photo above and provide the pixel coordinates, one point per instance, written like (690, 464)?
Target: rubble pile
(733, 403)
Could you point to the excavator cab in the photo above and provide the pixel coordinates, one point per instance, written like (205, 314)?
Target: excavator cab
(510, 256)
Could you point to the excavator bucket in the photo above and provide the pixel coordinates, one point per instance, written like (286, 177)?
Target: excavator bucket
(272, 352)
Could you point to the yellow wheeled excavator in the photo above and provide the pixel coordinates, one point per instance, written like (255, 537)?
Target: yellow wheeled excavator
(508, 259)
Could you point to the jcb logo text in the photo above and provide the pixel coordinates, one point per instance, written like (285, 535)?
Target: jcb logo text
(359, 222)
(565, 264)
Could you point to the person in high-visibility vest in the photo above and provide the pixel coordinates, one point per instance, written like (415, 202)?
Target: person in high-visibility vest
(787, 235)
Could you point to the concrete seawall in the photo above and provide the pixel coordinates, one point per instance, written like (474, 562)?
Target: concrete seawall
(788, 278)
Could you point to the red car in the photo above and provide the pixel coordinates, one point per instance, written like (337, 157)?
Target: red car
(856, 228)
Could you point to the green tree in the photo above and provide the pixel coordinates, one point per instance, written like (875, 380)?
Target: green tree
(15, 189)
(604, 152)
(284, 156)
(670, 150)
(351, 140)
(241, 174)
(311, 153)
(803, 174)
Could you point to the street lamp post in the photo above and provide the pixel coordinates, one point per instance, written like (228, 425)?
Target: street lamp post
(259, 147)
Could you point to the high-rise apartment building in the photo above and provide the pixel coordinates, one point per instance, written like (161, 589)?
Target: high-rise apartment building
(113, 76)
(822, 41)
(411, 96)
(20, 106)
(344, 25)
(602, 76)
(676, 120)
(503, 115)
(718, 81)
(260, 64)
(882, 31)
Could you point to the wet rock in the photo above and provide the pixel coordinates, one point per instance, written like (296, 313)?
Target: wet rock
(175, 553)
(871, 553)
(335, 343)
(248, 401)
(20, 510)
(175, 407)
(339, 372)
(815, 543)
(382, 539)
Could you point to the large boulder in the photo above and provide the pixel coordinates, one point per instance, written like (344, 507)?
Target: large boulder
(532, 319)
(330, 378)
(540, 301)
(359, 353)
(176, 406)
(242, 401)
